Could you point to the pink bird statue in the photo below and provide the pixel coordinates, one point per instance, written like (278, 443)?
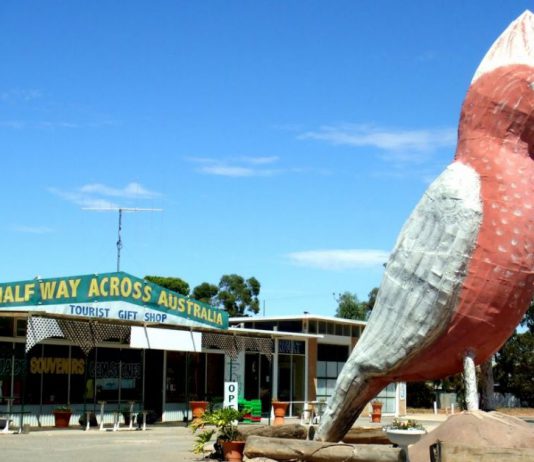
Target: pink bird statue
(461, 275)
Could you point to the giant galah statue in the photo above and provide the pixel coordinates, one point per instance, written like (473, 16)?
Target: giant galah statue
(461, 274)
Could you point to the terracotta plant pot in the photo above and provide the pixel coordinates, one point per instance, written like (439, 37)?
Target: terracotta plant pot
(279, 409)
(233, 450)
(62, 418)
(376, 415)
(198, 408)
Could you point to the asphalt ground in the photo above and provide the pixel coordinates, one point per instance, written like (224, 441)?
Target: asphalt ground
(159, 443)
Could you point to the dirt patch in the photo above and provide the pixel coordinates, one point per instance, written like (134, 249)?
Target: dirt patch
(477, 429)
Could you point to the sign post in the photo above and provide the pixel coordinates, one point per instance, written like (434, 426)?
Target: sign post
(230, 394)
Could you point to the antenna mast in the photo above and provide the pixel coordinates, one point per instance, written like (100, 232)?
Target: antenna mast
(120, 210)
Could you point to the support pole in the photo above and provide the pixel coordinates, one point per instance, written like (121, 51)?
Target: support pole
(119, 242)
(470, 377)
(119, 237)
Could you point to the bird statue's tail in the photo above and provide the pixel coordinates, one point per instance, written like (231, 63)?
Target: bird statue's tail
(350, 399)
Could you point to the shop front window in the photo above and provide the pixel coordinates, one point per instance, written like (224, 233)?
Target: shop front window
(12, 370)
(214, 377)
(258, 371)
(331, 359)
(292, 374)
(6, 327)
(53, 368)
(188, 378)
(388, 398)
(176, 377)
(114, 375)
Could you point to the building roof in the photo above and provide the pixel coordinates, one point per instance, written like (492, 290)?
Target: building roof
(298, 317)
(270, 333)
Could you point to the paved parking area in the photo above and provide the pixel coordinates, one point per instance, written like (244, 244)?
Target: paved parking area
(161, 443)
(158, 443)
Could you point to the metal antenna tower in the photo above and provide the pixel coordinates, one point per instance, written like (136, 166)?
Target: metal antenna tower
(120, 210)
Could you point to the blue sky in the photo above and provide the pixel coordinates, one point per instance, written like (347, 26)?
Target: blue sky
(283, 140)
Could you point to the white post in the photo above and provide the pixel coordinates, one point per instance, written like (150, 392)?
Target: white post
(471, 396)
(435, 407)
(164, 388)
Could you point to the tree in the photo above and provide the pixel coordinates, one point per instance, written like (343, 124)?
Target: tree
(349, 307)
(528, 319)
(372, 299)
(514, 371)
(487, 385)
(205, 292)
(174, 284)
(237, 295)
(419, 394)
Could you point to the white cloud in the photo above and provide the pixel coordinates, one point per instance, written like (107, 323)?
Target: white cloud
(62, 124)
(260, 160)
(32, 229)
(20, 95)
(14, 124)
(339, 259)
(54, 125)
(223, 170)
(131, 190)
(248, 167)
(236, 167)
(97, 195)
(82, 199)
(424, 140)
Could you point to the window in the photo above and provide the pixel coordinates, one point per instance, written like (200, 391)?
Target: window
(290, 326)
(291, 373)
(20, 327)
(387, 396)
(264, 325)
(327, 352)
(6, 327)
(331, 359)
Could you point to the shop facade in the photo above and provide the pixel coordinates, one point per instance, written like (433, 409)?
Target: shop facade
(306, 369)
(99, 339)
(57, 372)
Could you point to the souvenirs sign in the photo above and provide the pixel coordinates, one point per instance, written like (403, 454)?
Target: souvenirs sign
(110, 296)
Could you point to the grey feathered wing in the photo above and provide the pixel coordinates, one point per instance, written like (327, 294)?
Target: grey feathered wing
(417, 295)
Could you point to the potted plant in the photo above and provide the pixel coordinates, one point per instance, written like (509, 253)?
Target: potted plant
(62, 416)
(198, 408)
(376, 415)
(279, 409)
(227, 445)
(404, 432)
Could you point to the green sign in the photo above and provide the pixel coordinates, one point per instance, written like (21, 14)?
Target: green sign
(110, 295)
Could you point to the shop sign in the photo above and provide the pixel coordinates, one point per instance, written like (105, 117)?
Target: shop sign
(65, 366)
(295, 347)
(230, 395)
(111, 296)
(7, 366)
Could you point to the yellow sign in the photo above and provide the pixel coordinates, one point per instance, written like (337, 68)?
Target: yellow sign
(57, 366)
